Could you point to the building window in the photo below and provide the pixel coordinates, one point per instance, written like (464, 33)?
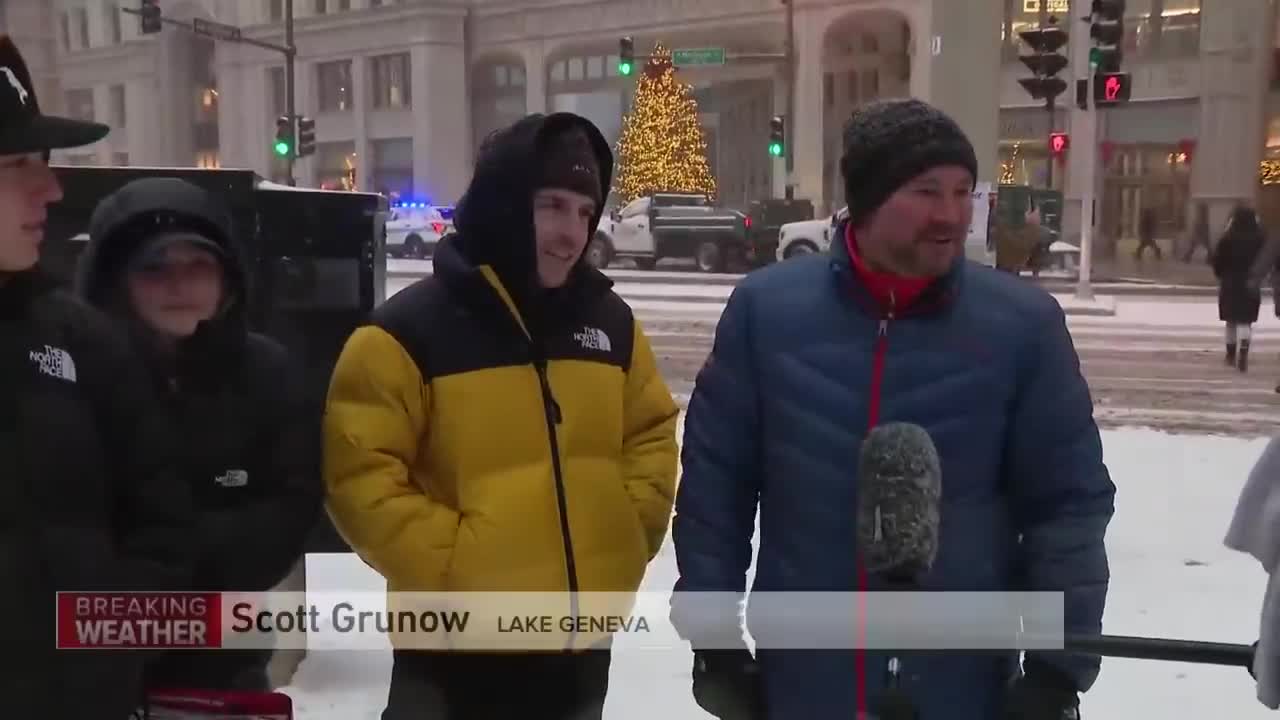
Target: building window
(275, 10)
(390, 81)
(276, 91)
(80, 104)
(392, 171)
(114, 31)
(81, 17)
(336, 165)
(64, 27)
(119, 109)
(334, 85)
(321, 7)
(120, 159)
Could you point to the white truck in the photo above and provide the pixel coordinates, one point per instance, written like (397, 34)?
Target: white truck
(673, 225)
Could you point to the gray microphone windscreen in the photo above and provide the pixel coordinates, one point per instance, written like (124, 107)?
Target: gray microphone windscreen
(899, 498)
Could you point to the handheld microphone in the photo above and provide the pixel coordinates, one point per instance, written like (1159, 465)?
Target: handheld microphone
(899, 498)
(898, 515)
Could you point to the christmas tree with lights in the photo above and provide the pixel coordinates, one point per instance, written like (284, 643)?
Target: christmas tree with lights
(662, 148)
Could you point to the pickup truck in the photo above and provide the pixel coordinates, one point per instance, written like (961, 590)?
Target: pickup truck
(673, 225)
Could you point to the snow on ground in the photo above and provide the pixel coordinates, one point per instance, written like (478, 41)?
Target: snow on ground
(1171, 577)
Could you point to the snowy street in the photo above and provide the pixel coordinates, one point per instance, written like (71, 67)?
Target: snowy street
(1157, 363)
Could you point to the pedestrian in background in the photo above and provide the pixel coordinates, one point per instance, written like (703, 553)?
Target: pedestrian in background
(1239, 294)
(88, 499)
(1147, 235)
(163, 262)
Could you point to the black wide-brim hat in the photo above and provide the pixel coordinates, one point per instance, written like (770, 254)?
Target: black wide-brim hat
(23, 128)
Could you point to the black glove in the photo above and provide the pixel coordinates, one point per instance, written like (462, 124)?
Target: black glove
(726, 683)
(1042, 692)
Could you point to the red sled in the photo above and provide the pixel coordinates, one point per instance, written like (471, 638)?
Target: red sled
(183, 704)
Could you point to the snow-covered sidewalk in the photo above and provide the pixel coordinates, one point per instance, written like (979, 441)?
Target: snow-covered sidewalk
(1171, 577)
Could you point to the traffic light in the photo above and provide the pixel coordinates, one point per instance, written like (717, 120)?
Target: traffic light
(306, 136)
(1106, 27)
(284, 136)
(777, 136)
(1058, 143)
(150, 17)
(626, 55)
(1044, 61)
(1111, 88)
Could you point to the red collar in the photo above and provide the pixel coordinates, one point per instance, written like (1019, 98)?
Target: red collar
(891, 292)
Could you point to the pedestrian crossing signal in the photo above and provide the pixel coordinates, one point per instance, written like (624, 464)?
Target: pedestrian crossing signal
(1111, 88)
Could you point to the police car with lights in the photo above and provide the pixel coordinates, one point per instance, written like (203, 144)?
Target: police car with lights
(414, 228)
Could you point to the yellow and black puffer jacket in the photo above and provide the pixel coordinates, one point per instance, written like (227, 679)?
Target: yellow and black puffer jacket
(468, 450)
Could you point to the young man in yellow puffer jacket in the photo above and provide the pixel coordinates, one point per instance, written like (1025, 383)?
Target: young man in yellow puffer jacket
(502, 426)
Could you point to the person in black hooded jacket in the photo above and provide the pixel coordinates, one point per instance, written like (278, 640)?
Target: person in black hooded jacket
(162, 261)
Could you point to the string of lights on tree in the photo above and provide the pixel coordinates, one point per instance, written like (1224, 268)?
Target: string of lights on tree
(662, 147)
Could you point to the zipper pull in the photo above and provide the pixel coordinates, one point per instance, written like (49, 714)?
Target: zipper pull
(884, 327)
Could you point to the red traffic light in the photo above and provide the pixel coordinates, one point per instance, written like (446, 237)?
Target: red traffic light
(1059, 142)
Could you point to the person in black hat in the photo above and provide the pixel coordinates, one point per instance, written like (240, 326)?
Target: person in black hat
(88, 499)
(163, 262)
(502, 426)
(891, 325)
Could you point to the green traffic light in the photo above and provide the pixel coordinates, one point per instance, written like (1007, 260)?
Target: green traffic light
(282, 148)
(624, 68)
(775, 149)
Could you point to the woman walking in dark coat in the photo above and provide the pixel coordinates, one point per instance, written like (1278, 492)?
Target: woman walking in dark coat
(162, 262)
(1238, 298)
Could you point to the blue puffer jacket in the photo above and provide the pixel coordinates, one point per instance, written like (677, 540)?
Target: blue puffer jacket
(986, 364)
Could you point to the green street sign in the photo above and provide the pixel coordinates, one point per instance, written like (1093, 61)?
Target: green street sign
(697, 56)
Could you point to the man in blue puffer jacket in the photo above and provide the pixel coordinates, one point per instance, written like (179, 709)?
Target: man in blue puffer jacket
(892, 325)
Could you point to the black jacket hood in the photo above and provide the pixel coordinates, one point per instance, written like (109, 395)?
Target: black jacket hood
(138, 211)
(494, 217)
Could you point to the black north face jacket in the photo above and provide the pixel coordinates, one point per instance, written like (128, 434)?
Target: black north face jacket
(248, 437)
(88, 497)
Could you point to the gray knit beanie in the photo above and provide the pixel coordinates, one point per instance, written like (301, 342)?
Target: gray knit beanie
(887, 143)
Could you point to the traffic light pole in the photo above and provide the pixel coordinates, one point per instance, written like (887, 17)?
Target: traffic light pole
(1084, 290)
(290, 89)
(1043, 21)
(789, 147)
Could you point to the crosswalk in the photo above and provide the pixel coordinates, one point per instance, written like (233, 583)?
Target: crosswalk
(1158, 363)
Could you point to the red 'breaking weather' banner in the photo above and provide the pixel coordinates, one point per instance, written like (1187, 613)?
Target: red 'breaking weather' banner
(139, 620)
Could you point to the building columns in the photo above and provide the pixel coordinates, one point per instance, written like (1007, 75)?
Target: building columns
(535, 78)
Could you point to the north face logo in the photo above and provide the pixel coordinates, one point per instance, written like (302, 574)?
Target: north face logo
(54, 362)
(593, 339)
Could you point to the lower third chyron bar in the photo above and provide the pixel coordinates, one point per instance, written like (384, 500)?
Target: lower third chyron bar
(139, 620)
